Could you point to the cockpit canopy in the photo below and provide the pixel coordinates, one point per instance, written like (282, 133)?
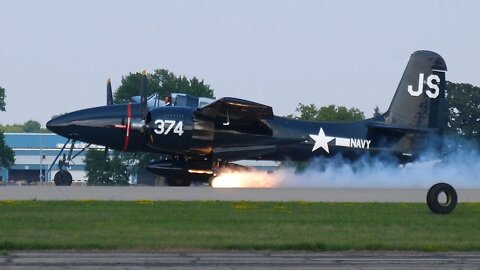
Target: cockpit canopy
(178, 99)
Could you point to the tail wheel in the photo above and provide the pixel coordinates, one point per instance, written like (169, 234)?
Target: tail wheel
(442, 198)
(210, 181)
(63, 178)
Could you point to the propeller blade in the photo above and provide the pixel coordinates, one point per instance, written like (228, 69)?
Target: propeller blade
(109, 93)
(143, 94)
(106, 152)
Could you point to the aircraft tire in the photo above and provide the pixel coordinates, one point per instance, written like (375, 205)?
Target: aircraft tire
(63, 178)
(442, 208)
(177, 182)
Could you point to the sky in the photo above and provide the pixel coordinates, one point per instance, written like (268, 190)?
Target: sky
(55, 56)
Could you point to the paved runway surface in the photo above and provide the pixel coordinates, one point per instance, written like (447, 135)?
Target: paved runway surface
(238, 260)
(223, 194)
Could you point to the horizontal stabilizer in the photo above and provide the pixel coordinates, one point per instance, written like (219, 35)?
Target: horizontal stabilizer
(399, 129)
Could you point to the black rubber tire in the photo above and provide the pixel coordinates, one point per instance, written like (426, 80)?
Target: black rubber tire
(176, 182)
(438, 207)
(63, 178)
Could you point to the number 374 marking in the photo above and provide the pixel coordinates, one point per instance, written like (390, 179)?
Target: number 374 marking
(165, 126)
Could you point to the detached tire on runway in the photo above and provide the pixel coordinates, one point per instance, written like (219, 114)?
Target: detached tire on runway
(442, 206)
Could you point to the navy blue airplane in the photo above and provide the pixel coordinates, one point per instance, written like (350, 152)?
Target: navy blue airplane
(202, 139)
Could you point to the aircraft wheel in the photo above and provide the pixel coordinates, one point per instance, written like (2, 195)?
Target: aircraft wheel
(438, 205)
(62, 178)
(177, 182)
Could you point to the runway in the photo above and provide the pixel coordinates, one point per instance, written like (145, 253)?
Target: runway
(223, 194)
(238, 260)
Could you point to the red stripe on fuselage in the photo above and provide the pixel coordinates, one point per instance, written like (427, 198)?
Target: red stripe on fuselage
(129, 121)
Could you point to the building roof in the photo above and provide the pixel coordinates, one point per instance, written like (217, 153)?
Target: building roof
(34, 140)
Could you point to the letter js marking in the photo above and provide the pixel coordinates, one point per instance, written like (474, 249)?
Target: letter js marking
(432, 82)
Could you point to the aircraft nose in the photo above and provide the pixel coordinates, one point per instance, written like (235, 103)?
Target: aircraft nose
(59, 125)
(82, 123)
(106, 125)
(52, 124)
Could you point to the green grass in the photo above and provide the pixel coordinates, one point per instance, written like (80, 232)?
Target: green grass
(147, 225)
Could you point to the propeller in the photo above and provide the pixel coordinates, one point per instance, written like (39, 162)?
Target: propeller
(143, 95)
(109, 102)
(140, 125)
(109, 93)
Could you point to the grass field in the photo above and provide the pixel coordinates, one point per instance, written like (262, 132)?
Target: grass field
(148, 225)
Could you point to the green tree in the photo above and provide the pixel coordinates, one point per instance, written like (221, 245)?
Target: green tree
(105, 172)
(2, 99)
(7, 156)
(329, 113)
(163, 82)
(30, 126)
(15, 128)
(120, 172)
(376, 111)
(463, 102)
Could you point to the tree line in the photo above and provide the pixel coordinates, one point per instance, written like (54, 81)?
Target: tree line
(31, 126)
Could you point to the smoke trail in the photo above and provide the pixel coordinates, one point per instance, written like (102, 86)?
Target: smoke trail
(460, 168)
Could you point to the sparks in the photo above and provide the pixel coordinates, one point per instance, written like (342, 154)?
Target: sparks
(244, 179)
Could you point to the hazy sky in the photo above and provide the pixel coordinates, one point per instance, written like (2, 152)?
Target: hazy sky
(55, 56)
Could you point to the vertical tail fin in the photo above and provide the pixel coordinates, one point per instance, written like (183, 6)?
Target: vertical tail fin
(419, 102)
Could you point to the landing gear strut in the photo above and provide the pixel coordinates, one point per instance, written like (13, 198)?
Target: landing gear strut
(63, 177)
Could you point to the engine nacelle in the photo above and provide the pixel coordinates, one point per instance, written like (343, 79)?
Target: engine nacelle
(176, 130)
(169, 129)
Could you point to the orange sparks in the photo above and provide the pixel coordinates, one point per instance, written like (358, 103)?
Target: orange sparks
(245, 179)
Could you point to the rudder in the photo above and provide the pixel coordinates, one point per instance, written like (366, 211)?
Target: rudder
(419, 102)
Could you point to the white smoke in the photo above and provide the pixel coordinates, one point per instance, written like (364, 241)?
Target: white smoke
(461, 168)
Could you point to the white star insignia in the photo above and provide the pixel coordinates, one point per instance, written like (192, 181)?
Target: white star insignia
(321, 141)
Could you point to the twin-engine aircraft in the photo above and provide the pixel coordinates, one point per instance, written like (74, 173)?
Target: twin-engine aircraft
(202, 139)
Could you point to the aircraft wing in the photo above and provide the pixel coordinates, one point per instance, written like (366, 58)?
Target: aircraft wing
(249, 152)
(237, 109)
